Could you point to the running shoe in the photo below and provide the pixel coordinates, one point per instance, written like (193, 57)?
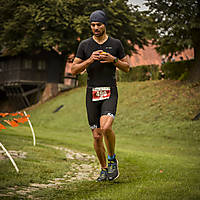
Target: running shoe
(103, 175)
(113, 171)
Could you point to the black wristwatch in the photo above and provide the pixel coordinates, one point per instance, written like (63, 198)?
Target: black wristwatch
(115, 60)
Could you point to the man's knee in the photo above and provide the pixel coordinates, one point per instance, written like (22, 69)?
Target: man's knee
(106, 129)
(97, 135)
(106, 124)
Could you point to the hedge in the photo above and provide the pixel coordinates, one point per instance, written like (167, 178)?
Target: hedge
(82, 79)
(177, 70)
(139, 73)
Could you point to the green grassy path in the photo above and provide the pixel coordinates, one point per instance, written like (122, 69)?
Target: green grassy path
(157, 147)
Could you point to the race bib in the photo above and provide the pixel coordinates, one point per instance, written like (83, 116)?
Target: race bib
(100, 93)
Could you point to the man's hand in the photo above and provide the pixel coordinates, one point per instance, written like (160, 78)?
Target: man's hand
(106, 57)
(102, 56)
(96, 55)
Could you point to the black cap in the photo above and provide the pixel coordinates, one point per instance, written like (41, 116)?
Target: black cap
(98, 16)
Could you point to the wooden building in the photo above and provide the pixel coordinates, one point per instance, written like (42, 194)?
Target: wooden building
(23, 77)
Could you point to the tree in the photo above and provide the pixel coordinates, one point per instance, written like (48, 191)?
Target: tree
(31, 25)
(28, 25)
(178, 27)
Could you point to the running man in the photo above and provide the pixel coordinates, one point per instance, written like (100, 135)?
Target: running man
(100, 55)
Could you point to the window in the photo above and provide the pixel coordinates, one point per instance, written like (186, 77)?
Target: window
(41, 65)
(2, 66)
(27, 64)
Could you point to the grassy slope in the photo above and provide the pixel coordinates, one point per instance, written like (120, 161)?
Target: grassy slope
(154, 132)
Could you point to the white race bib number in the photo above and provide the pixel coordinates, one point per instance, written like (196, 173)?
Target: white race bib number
(100, 93)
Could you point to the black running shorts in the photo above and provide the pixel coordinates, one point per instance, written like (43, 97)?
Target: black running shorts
(95, 109)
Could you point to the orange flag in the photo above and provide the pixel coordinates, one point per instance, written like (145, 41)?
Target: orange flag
(14, 122)
(21, 119)
(2, 126)
(22, 114)
(14, 114)
(11, 123)
(4, 114)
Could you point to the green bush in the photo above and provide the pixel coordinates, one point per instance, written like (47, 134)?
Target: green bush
(82, 79)
(139, 73)
(177, 70)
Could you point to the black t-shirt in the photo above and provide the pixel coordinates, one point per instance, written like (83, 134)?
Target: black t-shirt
(100, 74)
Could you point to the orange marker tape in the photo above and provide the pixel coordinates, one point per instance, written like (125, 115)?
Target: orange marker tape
(2, 126)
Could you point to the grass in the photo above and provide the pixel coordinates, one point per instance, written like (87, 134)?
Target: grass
(157, 146)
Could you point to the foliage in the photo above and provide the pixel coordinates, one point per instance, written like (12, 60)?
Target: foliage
(178, 26)
(29, 25)
(177, 22)
(82, 79)
(126, 24)
(148, 26)
(139, 73)
(177, 70)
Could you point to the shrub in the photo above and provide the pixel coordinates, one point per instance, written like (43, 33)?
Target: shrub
(82, 79)
(139, 73)
(177, 70)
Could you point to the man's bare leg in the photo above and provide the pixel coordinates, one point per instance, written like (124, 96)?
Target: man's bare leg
(99, 146)
(109, 136)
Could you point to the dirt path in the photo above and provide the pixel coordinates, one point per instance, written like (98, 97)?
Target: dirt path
(87, 170)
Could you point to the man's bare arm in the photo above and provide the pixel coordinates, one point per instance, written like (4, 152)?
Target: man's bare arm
(79, 65)
(122, 64)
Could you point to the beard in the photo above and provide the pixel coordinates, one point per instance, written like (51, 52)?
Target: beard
(99, 34)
